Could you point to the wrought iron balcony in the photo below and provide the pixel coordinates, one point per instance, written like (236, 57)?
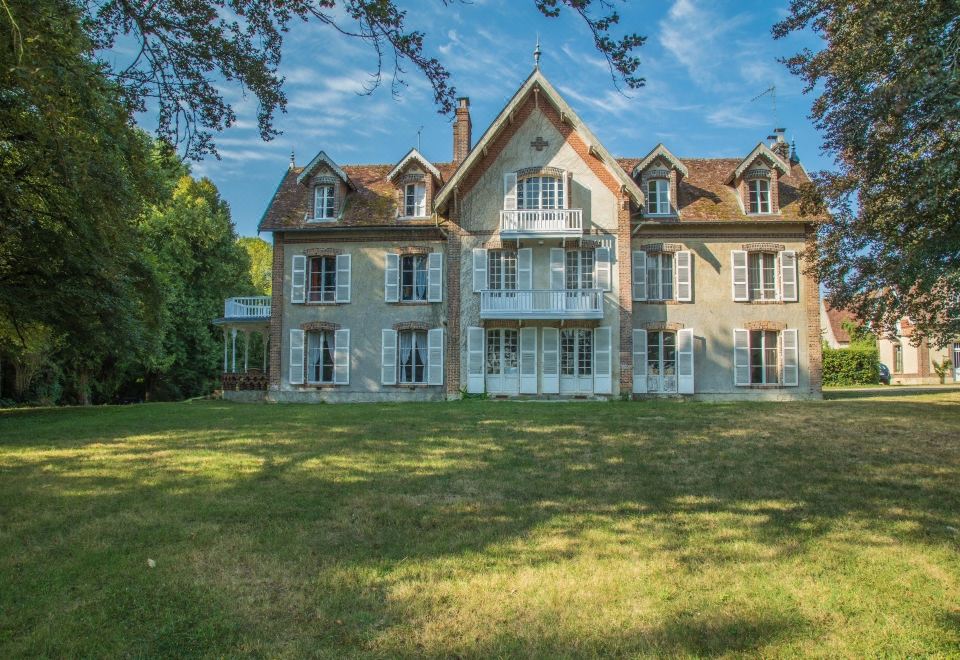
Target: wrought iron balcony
(541, 304)
(556, 223)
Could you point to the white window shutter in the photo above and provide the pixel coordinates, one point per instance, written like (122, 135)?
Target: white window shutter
(557, 269)
(296, 356)
(435, 281)
(528, 360)
(685, 361)
(298, 279)
(475, 361)
(684, 264)
(479, 269)
(601, 268)
(341, 357)
(639, 275)
(741, 356)
(435, 356)
(738, 267)
(525, 269)
(391, 277)
(388, 357)
(551, 361)
(510, 191)
(791, 361)
(602, 363)
(788, 275)
(343, 278)
(639, 361)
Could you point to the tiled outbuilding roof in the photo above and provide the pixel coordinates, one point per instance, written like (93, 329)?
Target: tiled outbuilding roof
(836, 318)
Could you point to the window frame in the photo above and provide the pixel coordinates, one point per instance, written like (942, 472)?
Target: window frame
(759, 197)
(765, 352)
(898, 358)
(503, 260)
(320, 335)
(659, 270)
(576, 358)
(411, 207)
(415, 354)
(767, 294)
(327, 291)
(660, 196)
(557, 192)
(412, 271)
(329, 207)
(579, 268)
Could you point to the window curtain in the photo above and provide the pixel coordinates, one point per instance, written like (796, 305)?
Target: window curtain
(406, 348)
(328, 351)
(421, 344)
(421, 271)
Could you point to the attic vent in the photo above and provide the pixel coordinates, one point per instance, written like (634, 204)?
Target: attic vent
(757, 173)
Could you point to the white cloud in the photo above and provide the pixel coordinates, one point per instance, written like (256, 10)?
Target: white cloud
(698, 39)
(736, 117)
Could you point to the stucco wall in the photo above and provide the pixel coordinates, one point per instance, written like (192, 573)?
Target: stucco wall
(365, 316)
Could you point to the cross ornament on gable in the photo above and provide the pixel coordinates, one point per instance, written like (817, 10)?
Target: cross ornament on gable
(539, 144)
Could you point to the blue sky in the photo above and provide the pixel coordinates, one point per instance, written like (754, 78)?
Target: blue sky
(703, 63)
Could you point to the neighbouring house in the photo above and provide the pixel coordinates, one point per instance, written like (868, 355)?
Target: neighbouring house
(535, 264)
(909, 363)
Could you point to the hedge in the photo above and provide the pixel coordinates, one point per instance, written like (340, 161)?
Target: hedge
(851, 366)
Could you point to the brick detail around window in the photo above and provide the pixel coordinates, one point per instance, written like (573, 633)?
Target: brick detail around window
(317, 326)
(452, 275)
(412, 249)
(765, 325)
(414, 177)
(625, 295)
(812, 299)
(494, 243)
(762, 247)
(663, 325)
(322, 252)
(539, 171)
(276, 311)
(662, 247)
(411, 325)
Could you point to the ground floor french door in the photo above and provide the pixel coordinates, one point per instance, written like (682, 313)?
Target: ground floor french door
(502, 361)
(956, 361)
(661, 362)
(576, 361)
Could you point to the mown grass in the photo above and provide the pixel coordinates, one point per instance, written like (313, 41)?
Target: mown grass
(480, 529)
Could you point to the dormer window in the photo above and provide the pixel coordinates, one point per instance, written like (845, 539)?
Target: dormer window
(658, 197)
(323, 202)
(759, 195)
(540, 192)
(415, 200)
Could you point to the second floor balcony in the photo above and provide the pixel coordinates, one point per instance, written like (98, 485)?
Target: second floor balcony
(543, 223)
(553, 304)
(247, 307)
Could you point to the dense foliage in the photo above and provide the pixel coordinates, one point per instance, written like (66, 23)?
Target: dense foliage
(889, 108)
(855, 365)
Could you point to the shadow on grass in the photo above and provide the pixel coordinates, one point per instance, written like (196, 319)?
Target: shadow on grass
(314, 493)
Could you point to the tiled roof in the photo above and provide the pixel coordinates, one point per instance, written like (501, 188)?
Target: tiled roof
(703, 195)
(836, 318)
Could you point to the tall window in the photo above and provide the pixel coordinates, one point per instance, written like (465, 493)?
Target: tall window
(764, 357)
(659, 276)
(897, 359)
(413, 356)
(502, 269)
(320, 357)
(323, 279)
(540, 192)
(759, 195)
(415, 200)
(579, 270)
(323, 202)
(661, 353)
(413, 277)
(576, 352)
(658, 197)
(762, 275)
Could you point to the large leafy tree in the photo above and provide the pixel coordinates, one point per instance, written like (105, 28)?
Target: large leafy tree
(888, 78)
(186, 48)
(261, 262)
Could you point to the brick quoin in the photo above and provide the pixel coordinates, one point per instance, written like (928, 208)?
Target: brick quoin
(812, 298)
(276, 311)
(625, 298)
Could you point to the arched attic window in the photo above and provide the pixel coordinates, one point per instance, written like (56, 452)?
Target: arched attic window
(758, 191)
(658, 192)
(541, 188)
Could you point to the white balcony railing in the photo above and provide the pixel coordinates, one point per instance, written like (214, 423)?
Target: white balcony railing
(247, 307)
(541, 222)
(541, 304)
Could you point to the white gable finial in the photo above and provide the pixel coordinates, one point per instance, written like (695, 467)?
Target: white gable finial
(536, 54)
(293, 159)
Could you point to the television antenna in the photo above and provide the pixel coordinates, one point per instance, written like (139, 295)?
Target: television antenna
(770, 91)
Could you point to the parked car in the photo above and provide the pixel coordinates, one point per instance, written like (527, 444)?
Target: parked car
(884, 374)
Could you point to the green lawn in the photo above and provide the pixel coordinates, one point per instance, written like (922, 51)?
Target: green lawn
(480, 529)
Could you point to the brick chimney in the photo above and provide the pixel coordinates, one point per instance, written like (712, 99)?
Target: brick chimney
(461, 131)
(779, 144)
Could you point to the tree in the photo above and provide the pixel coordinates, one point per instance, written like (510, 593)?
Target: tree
(890, 113)
(186, 47)
(261, 262)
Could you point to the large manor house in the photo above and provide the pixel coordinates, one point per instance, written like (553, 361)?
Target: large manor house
(535, 264)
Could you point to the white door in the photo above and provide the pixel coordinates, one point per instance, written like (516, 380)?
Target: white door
(576, 361)
(503, 361)
(661, 362)
(956, 361)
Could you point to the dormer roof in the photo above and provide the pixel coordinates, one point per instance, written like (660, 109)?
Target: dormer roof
(659, 151)
(760, 151)
(537, 80)
(414, 155)
(323, 159)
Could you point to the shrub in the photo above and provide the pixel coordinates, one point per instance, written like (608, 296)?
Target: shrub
(851, 366)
